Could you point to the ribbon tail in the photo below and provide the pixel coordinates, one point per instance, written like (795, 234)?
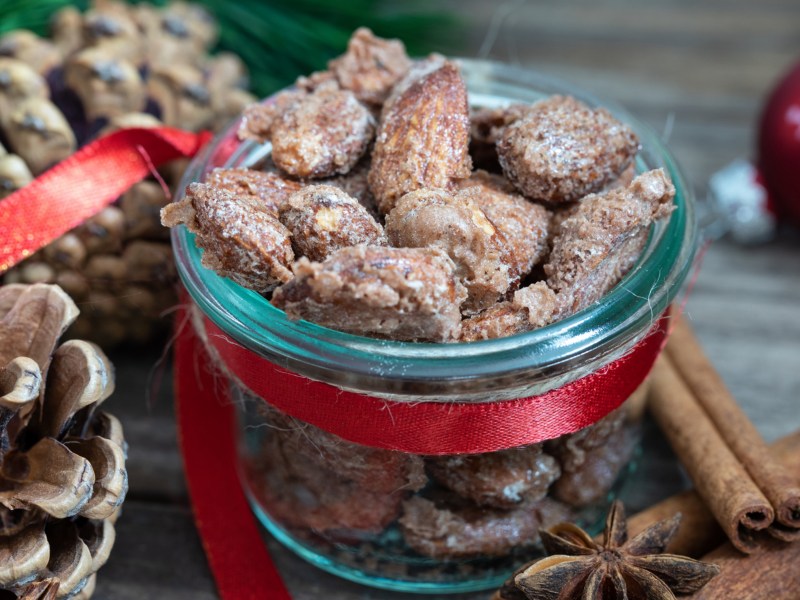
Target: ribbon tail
(82, 185)
(236, 552)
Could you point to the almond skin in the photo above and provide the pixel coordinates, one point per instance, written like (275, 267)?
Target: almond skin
(423, 137)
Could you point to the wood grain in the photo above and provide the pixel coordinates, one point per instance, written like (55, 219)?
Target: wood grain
(697, 72)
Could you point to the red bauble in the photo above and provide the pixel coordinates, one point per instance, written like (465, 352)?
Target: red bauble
(779, 147)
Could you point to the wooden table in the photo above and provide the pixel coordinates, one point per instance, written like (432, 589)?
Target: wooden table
(696, 71)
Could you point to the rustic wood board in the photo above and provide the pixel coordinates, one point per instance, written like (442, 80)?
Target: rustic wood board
(696, 72)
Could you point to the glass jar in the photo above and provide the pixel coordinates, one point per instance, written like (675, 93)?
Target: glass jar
(450, 523)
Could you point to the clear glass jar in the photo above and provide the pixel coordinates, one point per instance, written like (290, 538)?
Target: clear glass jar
(446, 524)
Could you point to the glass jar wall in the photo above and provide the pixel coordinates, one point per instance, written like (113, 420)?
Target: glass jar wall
(445, 523)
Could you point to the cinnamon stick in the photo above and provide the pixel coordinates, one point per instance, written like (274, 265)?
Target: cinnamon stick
(721, 480)
(736, 429)
(699, 532)
(770, 573)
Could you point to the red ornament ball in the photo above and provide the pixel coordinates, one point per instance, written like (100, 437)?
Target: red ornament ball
(779, 147)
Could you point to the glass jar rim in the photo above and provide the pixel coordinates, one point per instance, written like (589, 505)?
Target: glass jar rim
(593, 336)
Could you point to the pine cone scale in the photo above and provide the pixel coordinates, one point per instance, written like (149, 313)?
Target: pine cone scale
(22, 556)
(62, 461)
(52, 479)
(35, 319)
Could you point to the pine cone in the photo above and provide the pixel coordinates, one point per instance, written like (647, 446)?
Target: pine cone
(62, 460)
(106, 69)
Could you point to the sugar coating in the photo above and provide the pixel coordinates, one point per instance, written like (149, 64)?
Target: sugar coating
(242, 240)
(486, 127)
(400, 293)
(591, 459)
(371, 66)
(561, 212)
(419, 70)
(323, 134)
(624, 180)
(524, 225)
(375, 469)
(258, 119)
(532, 307)
(562, 150)
(601, 241)
(301, 494)
(321, 481)
(423, 136)
(323, 219)
(355, 184)
(499, 479)
(435, 219)
(270, 188)
(487, 124)
(453, 531)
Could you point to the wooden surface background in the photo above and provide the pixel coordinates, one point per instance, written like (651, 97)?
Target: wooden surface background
(696, 71)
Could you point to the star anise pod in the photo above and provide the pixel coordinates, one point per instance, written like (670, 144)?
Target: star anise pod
(579, 568)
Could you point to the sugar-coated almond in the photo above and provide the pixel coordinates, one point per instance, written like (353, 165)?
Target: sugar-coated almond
(323, 219)
(436, 219)
(562, 150)
(601, 241)
(423, 136)
(241, 239)
(399, 293)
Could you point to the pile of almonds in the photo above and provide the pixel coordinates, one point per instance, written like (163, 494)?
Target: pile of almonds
(117, 65)
(370, 219)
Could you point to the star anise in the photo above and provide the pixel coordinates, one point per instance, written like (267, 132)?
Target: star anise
(579, 568)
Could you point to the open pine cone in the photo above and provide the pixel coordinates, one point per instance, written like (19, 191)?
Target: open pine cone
(62, 460)
(116, 65)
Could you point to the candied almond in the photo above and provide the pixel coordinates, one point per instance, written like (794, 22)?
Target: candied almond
(325, 133)
(624, 180)
(242, 240)
(317, 80)
(313, 479)
(419, 69)
(501, 479)
(525, 225)
(374, 469)
(561, 213)
(401, 293)
(434, 219)
(532, 307)
(258, 119)
(269, 187)
(323, 219)
(371, 66)
(486, 127)
(302, 494)
(453, 531)
(603, 238)
(356, 184)
(590, 482)
(562, 150)
(488, 124)
(423, 136)
(591, 459)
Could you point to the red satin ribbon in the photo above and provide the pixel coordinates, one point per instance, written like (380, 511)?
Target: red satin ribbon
(438, 427)
(83, 184)
(236, 552)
